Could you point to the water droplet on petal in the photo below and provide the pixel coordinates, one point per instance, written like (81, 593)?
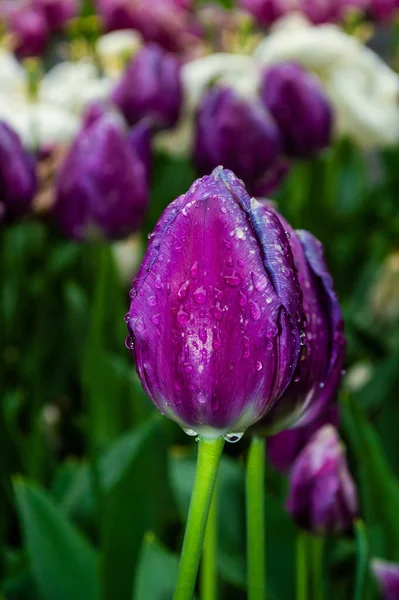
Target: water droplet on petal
(188, 367)
(156, 319)
(132, 293)
(194, 270)
(269, 346)
(232, 280)
(203, 335)
(243, 299)
(190, 432)
(139, 324)
(297, 378)
(158, 282)
(129, 342)
(260, 281)
(227, 243)
(256, 312)
(151, 300)
(247, 350)
(216, 342)
(182, 317)
(182, 291)
(258, 365)
(200, 295)
(218, 294)
(240, 263)
(217, 312)
(232, 438)
(126, 317)
(229, 262)
(321, 385)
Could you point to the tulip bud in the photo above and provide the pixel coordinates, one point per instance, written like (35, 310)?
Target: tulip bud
(58, 12)
(322, 496)
(235, 132)
(29, 27)
(17, 175)
(150, 87)
(384, 11)
(284, 447)
(299, 105)
(264, 11)
(215, 311)
(387, 575)
(318, 374)
(102, 185)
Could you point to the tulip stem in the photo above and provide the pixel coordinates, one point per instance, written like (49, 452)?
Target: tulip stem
(255, 492)
(209, 454)
(362, 552)
(301, 566)
(317, 550)
(209, 553)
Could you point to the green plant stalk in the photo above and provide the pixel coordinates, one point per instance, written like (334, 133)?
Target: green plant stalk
(208, 590)
(209, 453)
(301, 565)
(362, 563)
(317, 554)
(255, 504)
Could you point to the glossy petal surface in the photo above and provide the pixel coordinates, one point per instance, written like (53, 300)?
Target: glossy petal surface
(322, 496)
(210, 318)
(387, 575)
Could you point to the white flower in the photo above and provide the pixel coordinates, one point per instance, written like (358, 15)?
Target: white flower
(114, 48)
(363, 89)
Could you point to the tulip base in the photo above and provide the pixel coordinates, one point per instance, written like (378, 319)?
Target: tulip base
(255, 503)
(209, 454)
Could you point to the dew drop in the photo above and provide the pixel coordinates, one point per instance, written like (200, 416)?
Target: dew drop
(182, 317)
(200, 295)
(156, 319)
(139, 324)
(223, 209)
(259, 281)
(240, 263)
(194, 270)
(297, 379)
(247, 350)
(233, 438)
(243, 299)
(287, 235)
(217, 312)
(258, 365)
(182, 291)
(190, 432)
(269, 345)
(216, 342)
(151, 300)
(126, 318)
(203, 335)
(229, 262)
(232, 280)
(227, 243)
(158, 282)
(188, 367)
(343, 372)
(132, 293)
(269, 300)
(218, 294)
(129, 342)
(256, 312)
(321, 385)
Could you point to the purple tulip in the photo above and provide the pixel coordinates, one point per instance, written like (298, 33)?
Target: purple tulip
(150, 87)
(284, 447)
(268, 11)
(28, 25)
(384, 10)
(58, 12)
(387, 575)
(318, 374)
(264, 11)
(299, 105)
(215, 314)
(322, 495)
(17, 176)
(169, 23)
(102, 185)
(238, 133)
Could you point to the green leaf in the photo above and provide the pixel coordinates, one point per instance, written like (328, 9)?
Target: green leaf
(135, 504)
(155, 559)
(379, 490)
(63, 564)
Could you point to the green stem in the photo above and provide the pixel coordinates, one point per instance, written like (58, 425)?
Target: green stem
(317, 550)
(255, 491)
(301, 566)
(209, 453)
(209, 553)
(362, 552)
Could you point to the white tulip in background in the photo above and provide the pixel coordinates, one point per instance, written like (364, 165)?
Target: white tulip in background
(115, 48)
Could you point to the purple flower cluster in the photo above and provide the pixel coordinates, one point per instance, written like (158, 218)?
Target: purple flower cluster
(292, 118)
(233, 317)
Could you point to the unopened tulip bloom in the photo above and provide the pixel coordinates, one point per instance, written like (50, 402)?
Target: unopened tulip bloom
(387, 575)
(28, 25)
(268, 11)
(300, 107)
(58, 12)
(215, 314)
(284, 447)
(384, 10)
(101, 188)
(235, 132)
(322, 496)
(17, 175)
(150, 87)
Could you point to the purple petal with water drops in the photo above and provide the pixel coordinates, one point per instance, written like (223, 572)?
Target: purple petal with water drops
(209, 321)
(322, 495)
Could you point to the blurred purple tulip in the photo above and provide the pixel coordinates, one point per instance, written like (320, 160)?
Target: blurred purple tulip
(102, 188)
(150, 87)
(28, 25)
(57, 12)
(17, 176)
(238, 133)
(301, 108)
(268, 11)
(169, 23)
(322, 495)
(215, 314)
(284, 447)
(387, 575)
(384, 10)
